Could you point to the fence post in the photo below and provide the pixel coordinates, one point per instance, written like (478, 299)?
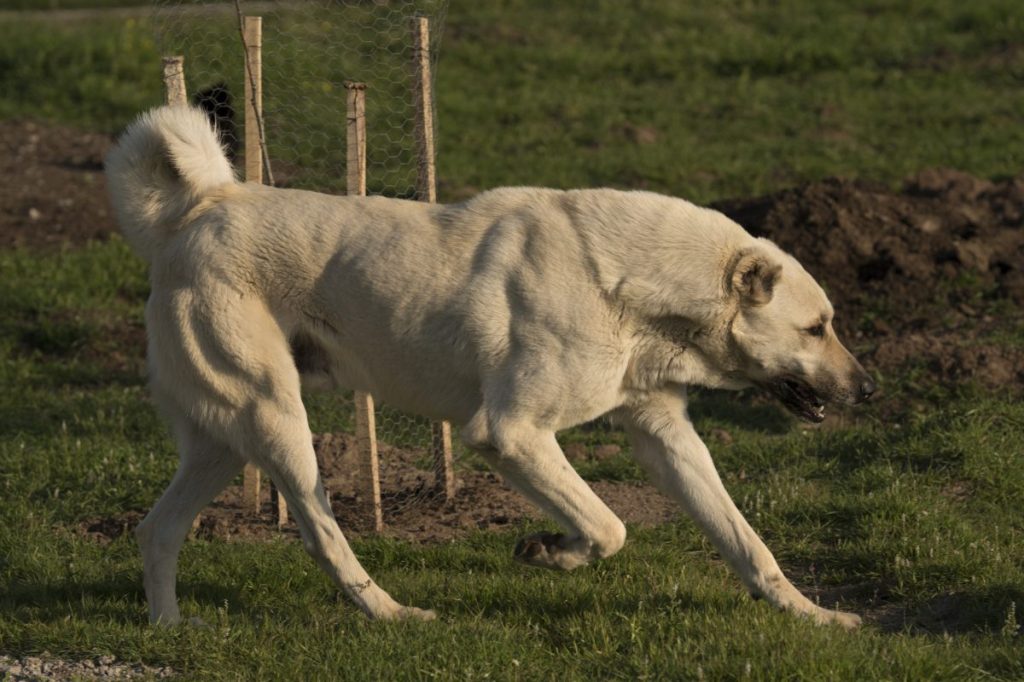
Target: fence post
(366, 421)
(174, 80)
(252, 34)
(253, 77)
(176, 94)
(253, 173)
(426, 190)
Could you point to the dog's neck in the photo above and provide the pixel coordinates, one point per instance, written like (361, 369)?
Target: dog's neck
(661, 262)
(660, 257)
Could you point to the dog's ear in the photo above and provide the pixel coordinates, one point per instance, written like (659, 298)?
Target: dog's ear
(754, 274)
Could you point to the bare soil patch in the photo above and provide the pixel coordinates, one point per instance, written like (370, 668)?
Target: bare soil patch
(54, 191)
(413, 508)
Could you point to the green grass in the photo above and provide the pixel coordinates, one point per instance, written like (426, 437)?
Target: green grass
(914, 521)
(736, 97)
(46, 5)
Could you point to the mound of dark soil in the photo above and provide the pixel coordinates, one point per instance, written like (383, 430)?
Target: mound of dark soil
(926, 276)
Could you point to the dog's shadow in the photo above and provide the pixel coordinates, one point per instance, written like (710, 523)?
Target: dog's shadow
(115, 600)
(989, 610)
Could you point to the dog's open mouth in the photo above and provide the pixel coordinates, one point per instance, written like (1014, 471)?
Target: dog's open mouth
(799, 398)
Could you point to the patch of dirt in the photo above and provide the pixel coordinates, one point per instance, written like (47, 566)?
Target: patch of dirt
(925, 277)
(54, 190)
(413, 508)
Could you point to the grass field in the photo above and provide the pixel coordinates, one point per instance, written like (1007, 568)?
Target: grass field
(731, 98)
(915, 521)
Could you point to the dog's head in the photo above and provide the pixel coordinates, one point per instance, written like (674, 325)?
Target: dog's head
(782, 336)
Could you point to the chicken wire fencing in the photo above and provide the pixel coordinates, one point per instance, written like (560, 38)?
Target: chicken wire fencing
(312, 51)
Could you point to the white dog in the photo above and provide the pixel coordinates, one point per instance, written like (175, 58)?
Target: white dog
(513, 315)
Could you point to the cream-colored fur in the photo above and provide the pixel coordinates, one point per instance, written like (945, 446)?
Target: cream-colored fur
(516, 314)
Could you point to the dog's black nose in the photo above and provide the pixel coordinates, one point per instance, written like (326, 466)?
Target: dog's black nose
(867, 388)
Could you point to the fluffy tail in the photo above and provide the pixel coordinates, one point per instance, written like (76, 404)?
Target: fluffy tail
(163, 165)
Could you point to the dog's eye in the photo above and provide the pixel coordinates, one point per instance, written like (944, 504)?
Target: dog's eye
(817, 330)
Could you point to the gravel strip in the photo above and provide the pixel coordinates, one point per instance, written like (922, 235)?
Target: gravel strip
(46, 667)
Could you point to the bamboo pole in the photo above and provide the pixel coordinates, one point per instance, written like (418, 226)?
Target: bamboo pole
(366, 421)
(426, 190)
(174, 81)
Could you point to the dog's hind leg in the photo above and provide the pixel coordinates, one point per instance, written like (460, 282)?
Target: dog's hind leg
(531, 461)
(666, 444)
(205, 468)
(223, 358)
(281, 443)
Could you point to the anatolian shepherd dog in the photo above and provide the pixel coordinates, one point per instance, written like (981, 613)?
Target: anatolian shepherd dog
(513, 315)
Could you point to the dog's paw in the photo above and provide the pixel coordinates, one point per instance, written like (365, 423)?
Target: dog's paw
(844, 619)
(541, 549)
(412, 613)
(850, 621)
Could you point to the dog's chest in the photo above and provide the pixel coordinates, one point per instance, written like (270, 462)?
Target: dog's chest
(663, 353)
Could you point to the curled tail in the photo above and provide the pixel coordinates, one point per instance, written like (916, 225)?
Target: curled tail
(163, 165)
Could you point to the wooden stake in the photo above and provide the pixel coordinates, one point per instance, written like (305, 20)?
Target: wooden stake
(251, 487)
(426, 184)
(366, 421)
(253, 173)
(175, 94)
(174, 81)
(444, 469)
(366, 441)
(426, 190)
(355, 127)
(253, 76)
(252, 34)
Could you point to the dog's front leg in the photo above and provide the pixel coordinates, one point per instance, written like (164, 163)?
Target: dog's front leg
(666, 444)
(531, 461)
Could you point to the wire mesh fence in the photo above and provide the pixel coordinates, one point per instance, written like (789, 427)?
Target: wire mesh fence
(310, 51)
